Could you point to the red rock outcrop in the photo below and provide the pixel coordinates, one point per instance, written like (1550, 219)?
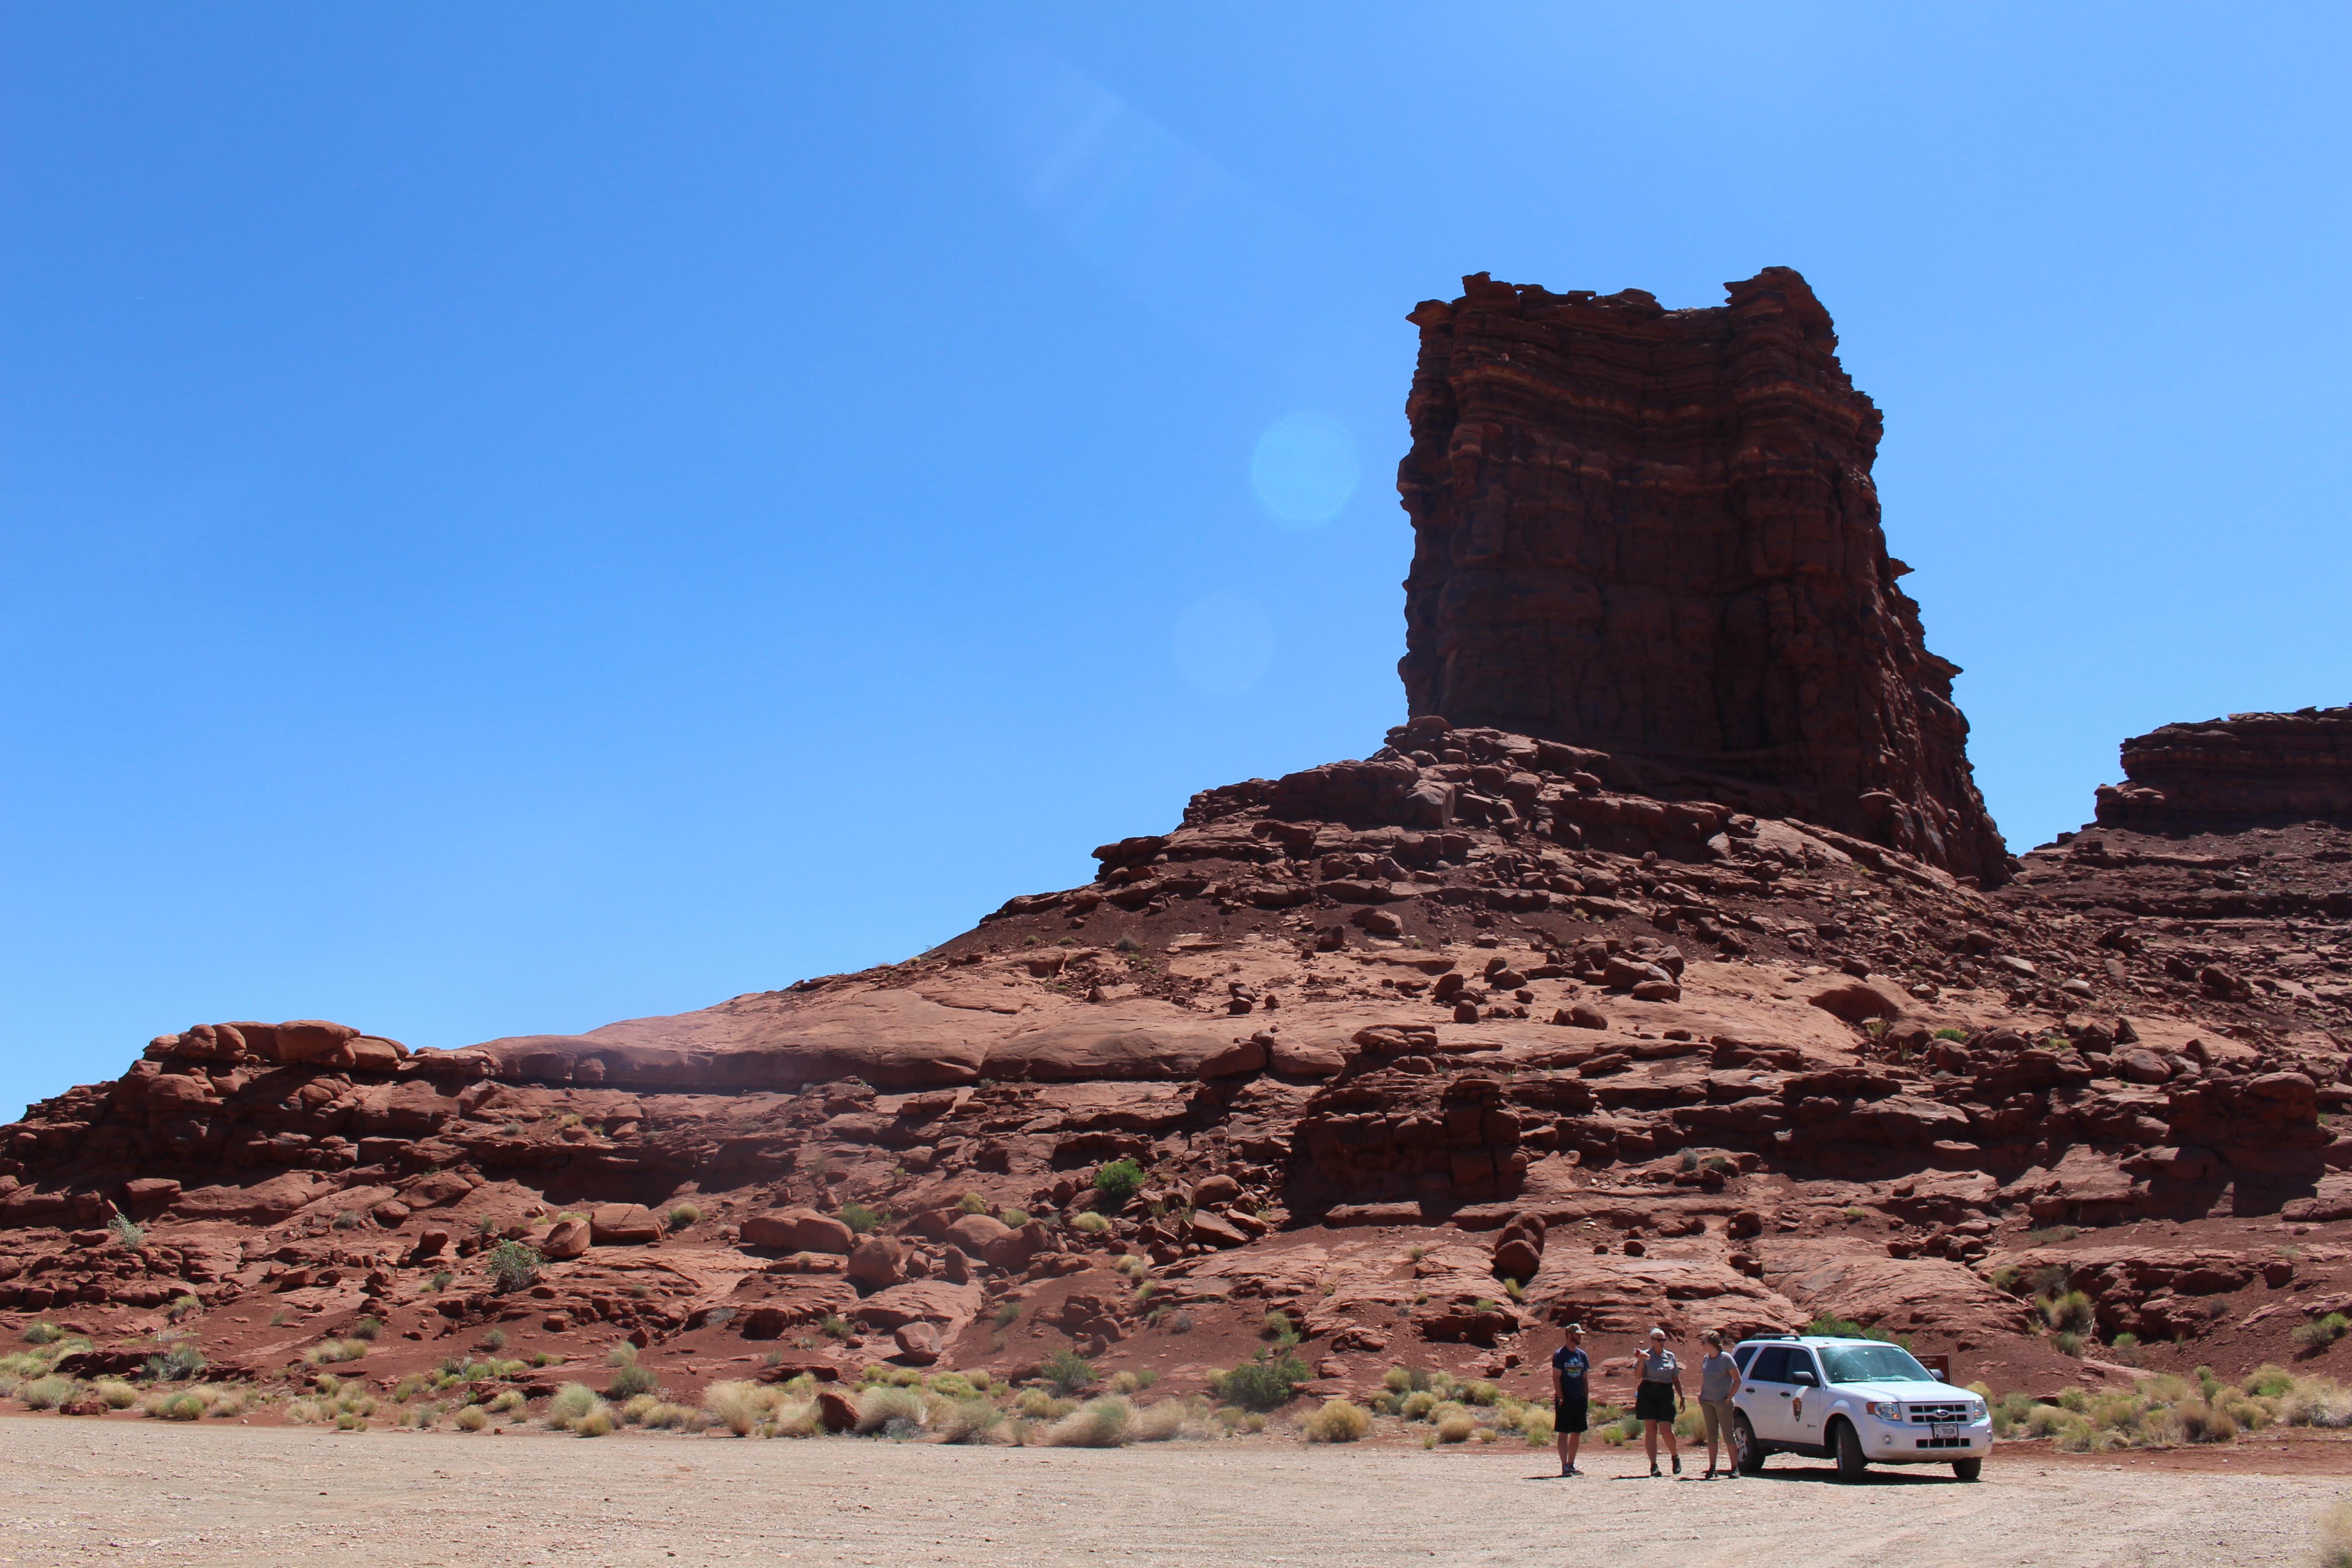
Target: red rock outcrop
(1653, 533)
(2233, 772)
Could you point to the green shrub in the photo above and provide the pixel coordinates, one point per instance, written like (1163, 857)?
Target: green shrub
(859, 1218)
(630, 1380)
(1339, 1421)
(2051, 1234)
(1016, 1218)
(1118, 1181)
(128, 1234)
(972, 1203)
(684, 1214)
(2321, 1333)
(513, 1265)
(2067, 1343)
(1007, 1313)
(1951, 1034)
(2071, 1311)
(1263, 1382)
(1098, 1424)
(2268, 1382)
(177, 1365)
(46, 1392)
(1090, 1222)
(367, 1327)
(472, 1419)
(1068, 1370)
(43, 1333)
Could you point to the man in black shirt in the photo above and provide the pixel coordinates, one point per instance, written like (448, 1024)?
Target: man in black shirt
(1570, 1366)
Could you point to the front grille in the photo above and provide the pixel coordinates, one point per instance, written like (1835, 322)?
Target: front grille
(1928, 1414)
(1942, 1443)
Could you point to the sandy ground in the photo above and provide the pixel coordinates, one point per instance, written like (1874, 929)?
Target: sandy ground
(78, 1492)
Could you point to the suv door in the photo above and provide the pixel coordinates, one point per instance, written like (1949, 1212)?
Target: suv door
(1807, 1396)
(1764, 1394)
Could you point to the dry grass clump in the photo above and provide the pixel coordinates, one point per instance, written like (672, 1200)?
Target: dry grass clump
(1456, 1428)
(333, 1352)
(968, 1420)
(2333, 1532)
(892, 1409)
(736, 1406)
(472, 1419)
(118, 1395)
(46, 1392)
(1339, 1421)
(572, 1404)
(1036, 1404)
(1098, 1424)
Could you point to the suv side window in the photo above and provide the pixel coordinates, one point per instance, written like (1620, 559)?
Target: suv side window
(1771, 1366)
(1743, 1355)
(1802, 1360)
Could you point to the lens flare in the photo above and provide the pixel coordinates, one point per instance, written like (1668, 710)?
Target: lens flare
(1303, 469)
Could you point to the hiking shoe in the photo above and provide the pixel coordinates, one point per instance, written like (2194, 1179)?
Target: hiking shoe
(1655, 1472)
(1679, 1464)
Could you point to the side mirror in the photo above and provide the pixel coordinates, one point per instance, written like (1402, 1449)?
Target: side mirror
(1805, 1378)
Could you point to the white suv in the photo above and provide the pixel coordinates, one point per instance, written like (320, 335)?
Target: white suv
(1859, 1402)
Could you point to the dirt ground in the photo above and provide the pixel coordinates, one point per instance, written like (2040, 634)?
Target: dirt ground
(109, 1492)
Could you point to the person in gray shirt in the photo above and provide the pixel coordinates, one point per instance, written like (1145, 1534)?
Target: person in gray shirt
(1718, 1380)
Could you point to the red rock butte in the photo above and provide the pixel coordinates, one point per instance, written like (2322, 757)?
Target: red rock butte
(1654, 533)
(1660, 979)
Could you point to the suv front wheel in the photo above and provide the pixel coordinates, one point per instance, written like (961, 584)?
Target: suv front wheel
(1968, 1469)
(1852, 1462)
(1746, 1453)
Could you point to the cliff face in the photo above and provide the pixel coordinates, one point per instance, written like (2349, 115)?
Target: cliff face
(2186, 777)
(1654, 533)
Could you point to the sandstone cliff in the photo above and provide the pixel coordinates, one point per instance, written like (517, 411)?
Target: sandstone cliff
(2233, 772)
(1654, 533)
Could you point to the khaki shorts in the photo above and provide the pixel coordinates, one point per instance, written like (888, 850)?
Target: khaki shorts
(1718, 1417)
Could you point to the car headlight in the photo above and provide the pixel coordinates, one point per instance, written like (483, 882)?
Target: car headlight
(1976, 1413)
(1885, 1409)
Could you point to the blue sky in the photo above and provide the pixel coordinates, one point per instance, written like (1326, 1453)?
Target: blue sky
(518, 516)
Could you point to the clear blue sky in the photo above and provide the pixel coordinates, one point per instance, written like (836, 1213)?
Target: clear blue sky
(522, 516)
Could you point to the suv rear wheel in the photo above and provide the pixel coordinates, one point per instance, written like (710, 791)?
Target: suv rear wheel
(1968, 1469)
(1746, 1453)
(1852, 1462)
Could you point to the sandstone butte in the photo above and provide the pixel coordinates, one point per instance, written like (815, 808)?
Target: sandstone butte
(1664, 967)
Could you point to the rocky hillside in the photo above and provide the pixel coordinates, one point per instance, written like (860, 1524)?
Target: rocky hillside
(1422, 1055)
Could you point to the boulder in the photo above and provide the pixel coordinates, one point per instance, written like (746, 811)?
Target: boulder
(566, 1239)
(1210, 1230)
(1210, 1190)
(836, 1411)
(918, 1342)
(1241, 1056)
(879, 1261)
(1843, 996)
(976, 1232)
(623, 1225)
(797, 1230)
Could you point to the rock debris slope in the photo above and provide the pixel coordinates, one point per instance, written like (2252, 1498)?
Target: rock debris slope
(1494, 1029)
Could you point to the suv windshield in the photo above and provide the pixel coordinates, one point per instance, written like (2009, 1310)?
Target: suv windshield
(1873, 1364)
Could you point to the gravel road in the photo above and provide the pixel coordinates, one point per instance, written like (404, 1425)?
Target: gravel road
(79, 1491)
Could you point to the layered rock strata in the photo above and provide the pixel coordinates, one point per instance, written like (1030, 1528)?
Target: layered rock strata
(2229, 773)
(1654, 533)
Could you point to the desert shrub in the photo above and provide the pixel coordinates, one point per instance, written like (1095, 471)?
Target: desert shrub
(597, 1423)
(46, 1392)
(1339, 1421)
(1835, 1327)
(505, 1400)
(2321, 1333)
(684, 1214)
(1481, 1392)
(2050, 1235)
(2009, 1277)
(332, 1353)
(568, 1404)
(736, 1406)
(2125, 1348)
(1016, 1218)
(1098, 1424)
(42, 1333)
(2268, 1382)
(1036, 1404)
(972, 1203)
(1397, 1380)
(2317, 1402)
(1068, 1370)
(2201, 1423)
(440, 1279)
(181, 1362)
(118, 1395)
(2066, 1341)
(1157, 1423)
(1181, 1323)
(182, 1306)
(472, 1419)
(2073, 1310)
(1261, 1383)
(859, 1218)
(637, 1408)
(1418, 1404)
(629, 1379)
(1537, 1428)
(367, 1327)
(1118, 1181)
(970, 1419)
(880, 1407)
(513, 1265)
(1455, 1429)
(2332, 1531)
(1089, 1222)
(1278, 1325)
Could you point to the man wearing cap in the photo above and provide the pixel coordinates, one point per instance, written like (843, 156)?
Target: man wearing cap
(1569, 1366)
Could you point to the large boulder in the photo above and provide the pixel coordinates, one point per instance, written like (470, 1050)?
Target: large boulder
(567, 1237)
(879, 1261)
(623, 1225)
(797, 1230)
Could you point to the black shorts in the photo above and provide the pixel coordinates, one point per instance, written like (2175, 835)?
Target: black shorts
(1656, 1402)
(1568, 1414)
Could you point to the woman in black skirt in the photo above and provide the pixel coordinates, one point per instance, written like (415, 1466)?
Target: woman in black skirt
(1658, 1397)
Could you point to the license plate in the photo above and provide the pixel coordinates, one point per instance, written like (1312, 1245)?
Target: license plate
(1948, 1430)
